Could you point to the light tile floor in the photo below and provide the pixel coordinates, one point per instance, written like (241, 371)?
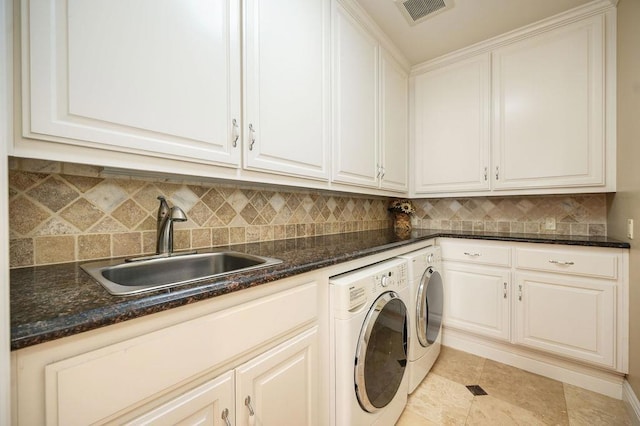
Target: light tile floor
(514, 397)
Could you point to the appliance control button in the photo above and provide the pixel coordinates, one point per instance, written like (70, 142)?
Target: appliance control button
(384, 281)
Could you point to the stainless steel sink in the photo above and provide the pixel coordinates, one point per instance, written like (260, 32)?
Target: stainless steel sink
(124, 278)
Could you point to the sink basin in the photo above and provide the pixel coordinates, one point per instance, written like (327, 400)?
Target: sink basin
(124, 278)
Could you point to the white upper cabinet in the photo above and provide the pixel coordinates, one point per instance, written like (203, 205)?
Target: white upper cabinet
(530, 112)
(394, 124)
(287, 94)
(548, 122)
(355, 99)
(370, 109)
(451, 124)
(160, 78)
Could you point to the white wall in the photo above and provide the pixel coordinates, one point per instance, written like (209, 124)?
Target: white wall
(625, 203)
(5, 73)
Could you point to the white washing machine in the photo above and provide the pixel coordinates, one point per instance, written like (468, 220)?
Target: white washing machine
(369, 338)
(426, 301)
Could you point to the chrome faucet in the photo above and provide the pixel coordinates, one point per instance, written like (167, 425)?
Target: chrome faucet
(166, 217)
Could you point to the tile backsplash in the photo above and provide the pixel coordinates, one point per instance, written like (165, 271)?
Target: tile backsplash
(62, 212)
(584, 214)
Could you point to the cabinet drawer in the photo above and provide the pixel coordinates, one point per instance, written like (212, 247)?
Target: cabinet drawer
(478, 253)
(87, 388)
(579, 261)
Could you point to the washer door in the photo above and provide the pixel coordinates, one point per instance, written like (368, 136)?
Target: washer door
(429, 307)
(381, 355)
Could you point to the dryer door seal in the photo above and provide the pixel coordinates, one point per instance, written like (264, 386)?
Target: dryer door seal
(381, 355)
(429, 306)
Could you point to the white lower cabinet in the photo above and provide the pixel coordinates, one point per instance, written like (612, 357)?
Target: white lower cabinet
(571, 317)
(208, 404)
(184, 367)
(563, 300)
(477, 299)
(275, 388)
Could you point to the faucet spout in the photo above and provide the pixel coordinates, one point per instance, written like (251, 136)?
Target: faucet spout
(164, 245)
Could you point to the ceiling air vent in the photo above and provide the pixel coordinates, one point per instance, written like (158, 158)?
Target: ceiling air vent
(416, 11)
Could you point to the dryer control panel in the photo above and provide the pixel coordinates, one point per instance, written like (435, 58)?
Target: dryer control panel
(351, 290)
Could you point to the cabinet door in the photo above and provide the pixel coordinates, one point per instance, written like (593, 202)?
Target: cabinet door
(567, 316)
(279, 386)
(156, 77)
(394, 126)
(355, 102)
(287, 92)
(548, 123)
(451, 124)
(207, 404)
(477, 299)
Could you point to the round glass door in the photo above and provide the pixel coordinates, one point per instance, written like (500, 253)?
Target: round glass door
(429, 307)
(381, 356)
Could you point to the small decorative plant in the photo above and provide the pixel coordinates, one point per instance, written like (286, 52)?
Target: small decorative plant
(401, 206)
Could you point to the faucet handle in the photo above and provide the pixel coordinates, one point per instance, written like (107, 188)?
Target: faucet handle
(177, 214)
(163, 212)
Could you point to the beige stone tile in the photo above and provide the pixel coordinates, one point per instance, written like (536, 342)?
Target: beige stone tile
(55, 249)
(266, 233)
(238, 200)
(213, 199)
(290, 231)
(127, 244)
(53, 193)
(277, 201)
(22, 181)
(278, 232)
(268, 213)
(82, 214)
(130, 214)
(441, 400)
(81, 170)
(148, 224)
(147, 197)
(237, 235)
(198, 190)
(107, 195)
(20, 252)
(108, 224)
(543, 396)
(55, 226)
(410, 418)
(516, 227)
(590, 408)
(201, 237)
(94, 246)
(597, 229)
(225, 213)
(579, 229)
(25, 216)
(458, 366)
(149, 242)
(200, 213)
(531, 227)
(489, 411)
(184, 198)
(40, 166)
(220, 236)
(252, 234)
(181, 239)
(82, 183)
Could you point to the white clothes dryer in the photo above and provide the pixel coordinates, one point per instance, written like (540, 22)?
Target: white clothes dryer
(426, 301)
(369, 339)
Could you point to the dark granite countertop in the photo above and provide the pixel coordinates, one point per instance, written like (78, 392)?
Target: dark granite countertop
(50, 302)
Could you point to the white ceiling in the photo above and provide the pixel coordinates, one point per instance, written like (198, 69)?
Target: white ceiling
(466, 23)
